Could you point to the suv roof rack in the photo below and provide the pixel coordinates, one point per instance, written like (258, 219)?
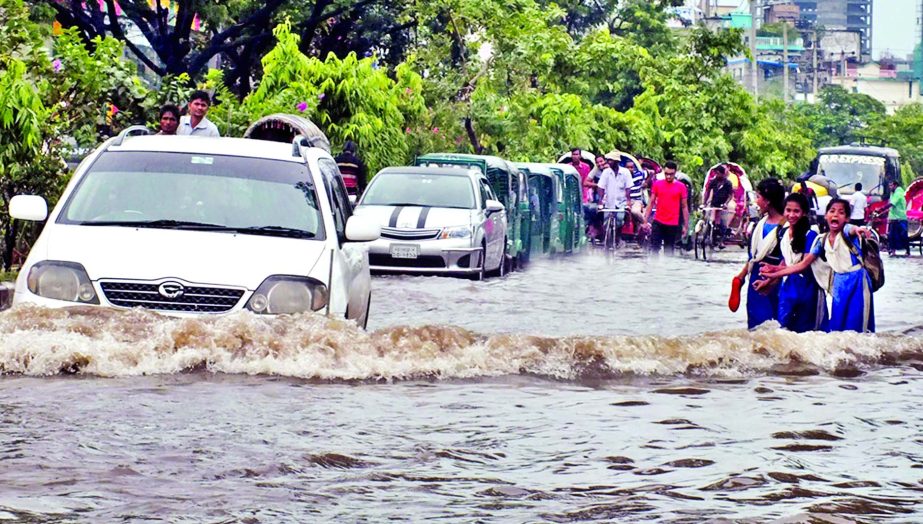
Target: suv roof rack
(301, 141)
(130, 131)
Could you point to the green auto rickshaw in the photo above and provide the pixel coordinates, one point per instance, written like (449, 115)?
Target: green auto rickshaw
(547, 194)
(570, 207)
(573, 197)
(511, 189)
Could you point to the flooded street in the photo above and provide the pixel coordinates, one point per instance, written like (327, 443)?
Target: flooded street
(584, 389)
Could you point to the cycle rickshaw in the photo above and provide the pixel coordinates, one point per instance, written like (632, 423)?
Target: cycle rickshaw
(737, 213)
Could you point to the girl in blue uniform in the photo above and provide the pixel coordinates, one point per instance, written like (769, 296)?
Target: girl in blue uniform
(763, 292)
(849, 283)
(802, 303)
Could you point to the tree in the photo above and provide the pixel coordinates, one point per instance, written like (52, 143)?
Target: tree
(176, 47)
(239, 31)
(349, 98)
(841, 117)
(49, 104)
(903, 131)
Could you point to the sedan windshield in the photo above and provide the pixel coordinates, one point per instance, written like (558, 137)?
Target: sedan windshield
(847, 170)
(418, 189)
(199, 192)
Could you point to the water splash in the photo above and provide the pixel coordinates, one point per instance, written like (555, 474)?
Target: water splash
(109, 343)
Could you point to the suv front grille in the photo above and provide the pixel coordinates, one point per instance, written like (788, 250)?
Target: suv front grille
(195, 299)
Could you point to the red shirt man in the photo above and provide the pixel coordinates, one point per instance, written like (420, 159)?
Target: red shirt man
(669, 198)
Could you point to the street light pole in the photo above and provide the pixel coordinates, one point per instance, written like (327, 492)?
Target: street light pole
(814, 91)
(785, 62)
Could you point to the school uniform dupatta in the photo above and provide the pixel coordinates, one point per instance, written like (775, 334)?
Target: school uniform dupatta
(764, 248)
(848, 282)
(802, 302)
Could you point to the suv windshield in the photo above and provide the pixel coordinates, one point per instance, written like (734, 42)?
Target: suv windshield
(406, 189)
(847, 170)
(193, 191)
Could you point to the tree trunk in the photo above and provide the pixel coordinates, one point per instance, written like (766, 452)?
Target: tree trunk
(473, 136)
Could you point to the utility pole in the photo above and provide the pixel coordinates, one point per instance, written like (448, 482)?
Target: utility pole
(843, 81)
(785, 62)
(815, 66)
(754, 67)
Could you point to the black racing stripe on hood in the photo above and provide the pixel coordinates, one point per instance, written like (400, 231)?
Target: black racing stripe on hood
(421, 220)
(394, 214)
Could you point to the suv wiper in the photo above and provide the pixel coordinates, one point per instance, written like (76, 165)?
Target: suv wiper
(274, 230)
(165, 224)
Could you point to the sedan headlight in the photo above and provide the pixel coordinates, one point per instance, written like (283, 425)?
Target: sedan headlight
(456, 232)
(66, 281)
(280, 295)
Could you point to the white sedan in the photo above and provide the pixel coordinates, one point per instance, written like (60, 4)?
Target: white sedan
(435, 220)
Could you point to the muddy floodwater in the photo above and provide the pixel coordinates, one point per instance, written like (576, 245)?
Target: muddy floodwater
(584, 389)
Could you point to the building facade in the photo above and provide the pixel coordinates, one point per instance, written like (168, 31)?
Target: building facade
(841, 15)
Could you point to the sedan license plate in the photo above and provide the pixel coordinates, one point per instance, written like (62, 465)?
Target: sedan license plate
(405, 251)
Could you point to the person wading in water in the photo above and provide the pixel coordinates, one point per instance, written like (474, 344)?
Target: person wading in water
(763, 292)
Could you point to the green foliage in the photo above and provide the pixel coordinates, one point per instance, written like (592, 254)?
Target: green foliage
(48, 105)
(908, 174)
(903, 131)
(349, 98)
(840, 117)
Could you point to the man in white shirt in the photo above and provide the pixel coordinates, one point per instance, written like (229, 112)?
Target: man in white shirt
(195, 123)
(858, 201)
(615, 191)
(614, 188)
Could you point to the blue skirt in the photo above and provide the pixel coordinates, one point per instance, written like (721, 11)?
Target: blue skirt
(760, 308)
(853, 307)
(802, 304)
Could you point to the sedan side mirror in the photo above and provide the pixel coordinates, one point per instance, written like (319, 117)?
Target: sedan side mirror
(362, 229)
(28, 207)
(494, 206)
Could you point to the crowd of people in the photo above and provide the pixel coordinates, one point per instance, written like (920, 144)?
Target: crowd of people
(795, 262)
(624, 190)
(792, 268)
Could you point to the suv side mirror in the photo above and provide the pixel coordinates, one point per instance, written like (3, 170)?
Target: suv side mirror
(494, 206)
(28, 207)
(362, 229)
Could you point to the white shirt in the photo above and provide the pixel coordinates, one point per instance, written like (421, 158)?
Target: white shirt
(205, 127)
(858, 201)
(615, 187)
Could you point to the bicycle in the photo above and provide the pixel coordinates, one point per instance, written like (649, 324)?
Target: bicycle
(612, 226)
(706, 232)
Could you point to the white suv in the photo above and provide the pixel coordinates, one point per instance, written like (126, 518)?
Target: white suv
(191, 226)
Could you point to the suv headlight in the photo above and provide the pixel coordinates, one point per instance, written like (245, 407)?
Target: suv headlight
(456, 232)
(66, 281)
(280, 295)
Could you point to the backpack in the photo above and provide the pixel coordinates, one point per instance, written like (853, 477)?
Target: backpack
(870, 258)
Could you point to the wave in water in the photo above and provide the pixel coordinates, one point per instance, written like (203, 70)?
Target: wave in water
(37, 341)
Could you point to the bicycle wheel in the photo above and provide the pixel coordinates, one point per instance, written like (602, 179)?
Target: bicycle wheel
(696, 242)
(610, 233)
(707, 239)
